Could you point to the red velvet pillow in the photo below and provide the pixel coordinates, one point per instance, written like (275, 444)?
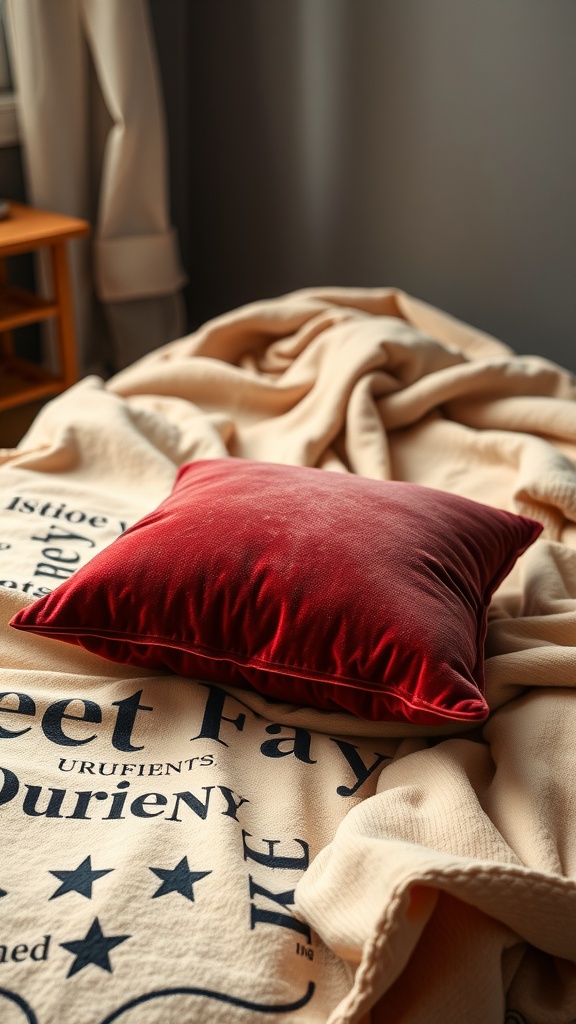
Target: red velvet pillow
(318, 588)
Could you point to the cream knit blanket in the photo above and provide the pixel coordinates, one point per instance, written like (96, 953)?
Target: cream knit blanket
(178, 852)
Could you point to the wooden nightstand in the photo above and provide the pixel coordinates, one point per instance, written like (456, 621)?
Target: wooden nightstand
(27, 230)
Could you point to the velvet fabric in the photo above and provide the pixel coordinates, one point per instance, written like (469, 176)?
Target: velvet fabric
(318, 588)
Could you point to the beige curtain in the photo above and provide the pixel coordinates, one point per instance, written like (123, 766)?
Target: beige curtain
(94, 146)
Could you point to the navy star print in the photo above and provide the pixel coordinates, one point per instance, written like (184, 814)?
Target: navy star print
(179, 879)
(93, 948)
(80, 880)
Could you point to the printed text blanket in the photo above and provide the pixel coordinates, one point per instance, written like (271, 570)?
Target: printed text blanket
(176, 851)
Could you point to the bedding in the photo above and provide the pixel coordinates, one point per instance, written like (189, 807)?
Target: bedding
(178, 848)
(326, 590)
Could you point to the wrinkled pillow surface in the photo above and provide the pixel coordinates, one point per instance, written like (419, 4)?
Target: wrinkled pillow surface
(319, 588)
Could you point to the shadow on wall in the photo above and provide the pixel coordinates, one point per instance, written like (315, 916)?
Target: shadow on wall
(409, 142)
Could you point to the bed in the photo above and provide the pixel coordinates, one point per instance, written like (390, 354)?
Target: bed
(181, 845)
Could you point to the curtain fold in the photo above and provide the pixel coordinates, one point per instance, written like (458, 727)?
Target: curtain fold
(94, 138)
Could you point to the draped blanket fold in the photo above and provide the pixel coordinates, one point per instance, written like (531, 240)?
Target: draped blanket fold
(173, 850)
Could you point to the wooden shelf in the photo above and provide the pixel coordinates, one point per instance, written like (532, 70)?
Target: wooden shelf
(27, 230)
(19, 307)
(22, 382)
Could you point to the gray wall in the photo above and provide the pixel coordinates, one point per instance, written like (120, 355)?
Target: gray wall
(429, 144)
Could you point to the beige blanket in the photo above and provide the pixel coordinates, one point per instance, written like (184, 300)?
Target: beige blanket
(178, 852)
